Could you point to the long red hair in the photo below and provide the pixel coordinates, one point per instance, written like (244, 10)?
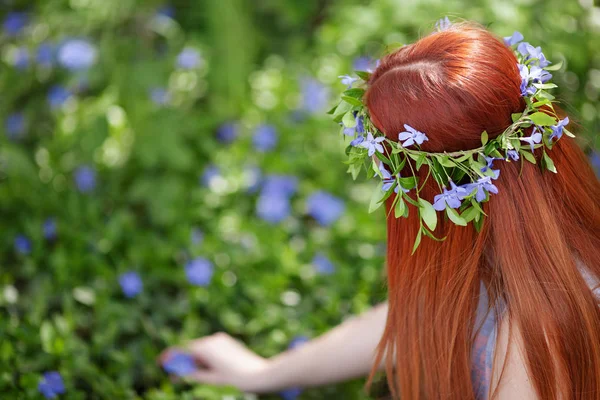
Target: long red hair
(453, 85)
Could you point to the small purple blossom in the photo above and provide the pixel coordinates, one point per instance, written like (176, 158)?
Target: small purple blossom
(15, 125)
(315, 96)
(51, 385)
(199, 271)
(443, 24)
(227, 132)
(189, 58)
(22, 244)
(85, 179)
(325, 207)
(49, 228)
(536, 137)
(180, 364)
(44, 55)
(528, 51)
(347, 80)
(280, 185)
(264, 138)
(411, 136)
(77, 54)
(372, 144)
(513, 154)
(160, 96)
(388, 180)
(359, 127)
(14, 22)
(131, 284)
(21, 58)
(451, 197)
(526, 90)
(323, 265)
(273, 208)
(210, 173)
(58, 95)
(482, 185)
(539, 75)
(356, 142)
(489, 163)
(516, 37)
(557, 130)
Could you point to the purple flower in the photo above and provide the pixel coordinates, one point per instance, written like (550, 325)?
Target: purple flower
(196, 236)
(180, 364)
(323, 265)
(482, 185)
(77, 54)
(443, 24)
(347, 80)
(227, 132)
(283, 185)
(356, 142)
(365, 64)
(273, 208)
(372, 144)
(85, 179)
(411, 136)
(514, 39)
(529, 52)
(513, 154)
(51, 385)
(49, 229)
(44, 55)
(189, 58)
(21, 58)
(388, 180)
(265, 138)
(22, 244)
(489, 163)
(199, 271)
(538, 75)
(160, 96)
(526, 90)
(536, 137)
(210, 172)
(14, 23)
(557, 130)
(58, 95)
(325, 208)
(131, 284)
(315, 96)
(450, 197)
(358, 128)
(15, 125)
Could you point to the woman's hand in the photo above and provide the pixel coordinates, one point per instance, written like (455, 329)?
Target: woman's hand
(222, 360)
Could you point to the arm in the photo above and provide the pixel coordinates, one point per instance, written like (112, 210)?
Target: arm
(343, 353)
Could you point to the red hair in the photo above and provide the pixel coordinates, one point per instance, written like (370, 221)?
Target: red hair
(453, 85)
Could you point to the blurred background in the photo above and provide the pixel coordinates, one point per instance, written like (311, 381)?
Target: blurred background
(167, 170)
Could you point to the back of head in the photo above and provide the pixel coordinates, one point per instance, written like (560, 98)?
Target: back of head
(453, 85)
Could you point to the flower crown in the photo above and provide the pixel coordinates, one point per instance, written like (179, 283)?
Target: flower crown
(461, 203)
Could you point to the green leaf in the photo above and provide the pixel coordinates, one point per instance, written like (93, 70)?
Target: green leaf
(365, 76)
(455, 217)
(348, 120)
(528, 156)
(516, 116)
(420, 160)
(542, 119)
(352, 100)
(432, 236)
(342, 109)
(408, 182)
(478, 223)
(484, 138)
(545, 85)
(400, 207)
(469, 214)
(477, 206)
(417, 242)
(375, 169)
(332, 110)
(549, 163)
(428, 214)
(376, 198)
(568, 133)
(445, 161)
(541, 103)
(356, 93)
(554, 67)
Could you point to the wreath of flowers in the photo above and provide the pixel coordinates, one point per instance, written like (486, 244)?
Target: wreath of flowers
(461, 203)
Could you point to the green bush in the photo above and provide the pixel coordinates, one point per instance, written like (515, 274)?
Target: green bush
(139, 138)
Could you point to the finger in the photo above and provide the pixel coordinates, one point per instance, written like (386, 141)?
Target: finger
(205, 376)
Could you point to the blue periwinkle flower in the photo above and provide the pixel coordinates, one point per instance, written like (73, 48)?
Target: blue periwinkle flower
(388, 180)
(22, 244)
(265, 137)
(77, 54)
(131, 284)
(372, 144)
(528, 51)
(513, 154)
(284, 185)
(211, 172)
(489, 163)
(526, 90)
(539, 75)
(273, 208)
(189, 58)
(315, 96)
(44, 55)
(58, 95)
(323, 265)
(49, 228)
(85, 179)
(516, 37)
(227, 132)
(160, 96)
(347, 80)
(357, 142)
(536, 137)
(199, 271)
(411, 136)
(451, 197)
(14, 22)
(21, 58)
(15, 125)
(325, 207)
(557, 130)
(180, 364)
(51, 385)
(359, 127)
(443, 24)
(482, 185)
